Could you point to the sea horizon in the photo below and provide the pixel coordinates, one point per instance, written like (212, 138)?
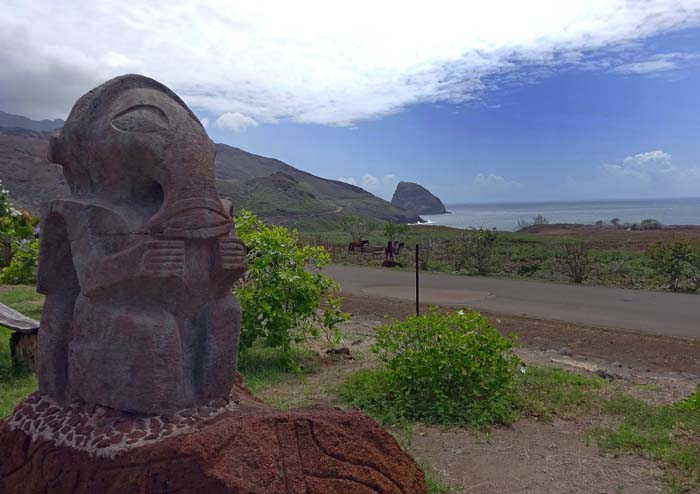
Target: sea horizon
(506, 215)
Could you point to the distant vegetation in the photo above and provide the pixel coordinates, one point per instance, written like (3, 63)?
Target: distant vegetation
(597, 255)
(537, 220)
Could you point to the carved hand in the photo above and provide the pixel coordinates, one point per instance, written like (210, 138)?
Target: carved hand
(232, 254)
(163, 258)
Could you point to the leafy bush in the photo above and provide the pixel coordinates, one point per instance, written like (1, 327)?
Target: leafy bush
(678, 262)
(283, 295)
(477, 250)
(448, 368)
(23, 265)
(692, 402)
(576, 262)
(16, 240)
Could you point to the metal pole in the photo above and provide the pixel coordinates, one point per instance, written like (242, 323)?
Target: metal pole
(417, 284)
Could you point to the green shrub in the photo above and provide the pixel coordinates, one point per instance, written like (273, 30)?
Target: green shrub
(23, 265)
(16, 238)
(449, 368)
(477, 250)
(576, 262)
(678, 262)
(692, 402)
(283, 295)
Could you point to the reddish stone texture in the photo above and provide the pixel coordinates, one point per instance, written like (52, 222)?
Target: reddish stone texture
(139, 263)
(251, 450)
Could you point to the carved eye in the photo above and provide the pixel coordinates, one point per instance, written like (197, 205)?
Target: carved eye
(142, 118)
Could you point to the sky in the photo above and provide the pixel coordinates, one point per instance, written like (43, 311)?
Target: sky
(478, 101)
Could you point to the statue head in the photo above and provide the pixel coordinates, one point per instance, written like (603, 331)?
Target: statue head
(133, 140)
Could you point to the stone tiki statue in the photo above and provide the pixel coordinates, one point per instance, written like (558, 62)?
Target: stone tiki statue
(139, 332)
(138, 265)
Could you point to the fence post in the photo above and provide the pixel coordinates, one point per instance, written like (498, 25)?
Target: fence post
(417, 284)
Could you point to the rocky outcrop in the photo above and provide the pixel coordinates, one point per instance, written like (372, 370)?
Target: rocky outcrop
(414, 197)
(237, 446)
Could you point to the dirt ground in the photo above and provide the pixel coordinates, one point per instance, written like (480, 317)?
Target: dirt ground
(633, 349)
(530, 456)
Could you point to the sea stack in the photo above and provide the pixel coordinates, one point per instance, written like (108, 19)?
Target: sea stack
(414, 197)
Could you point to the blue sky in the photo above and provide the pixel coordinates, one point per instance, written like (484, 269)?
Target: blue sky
(478, 101)
(550, 139)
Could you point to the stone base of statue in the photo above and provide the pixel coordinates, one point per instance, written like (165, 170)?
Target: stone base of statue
(237, 446)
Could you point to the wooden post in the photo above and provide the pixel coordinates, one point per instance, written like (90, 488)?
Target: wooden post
(417, 283)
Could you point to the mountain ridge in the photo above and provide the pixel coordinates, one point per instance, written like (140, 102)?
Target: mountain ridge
(274, 190)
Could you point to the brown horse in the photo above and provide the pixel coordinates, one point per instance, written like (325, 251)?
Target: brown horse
(358, 244)
(392, 250)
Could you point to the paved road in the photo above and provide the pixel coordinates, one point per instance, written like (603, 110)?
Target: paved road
(665, 313)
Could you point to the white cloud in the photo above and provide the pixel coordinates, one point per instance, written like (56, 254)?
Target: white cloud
(649, 174)
(369, 181)
(205, 122)
(347, 180)
(310, 60)
(389, 179)
(664, 62)
(493, 181)
(643, 166)
(235, 121)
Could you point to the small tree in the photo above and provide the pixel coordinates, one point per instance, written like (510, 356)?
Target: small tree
(678, 262)
(540, 220)
(477, 250)
(615, 222)
(425, 253)
(576, 262)
(284, 297)
(359, 227)
(537, 220)
(395, 232)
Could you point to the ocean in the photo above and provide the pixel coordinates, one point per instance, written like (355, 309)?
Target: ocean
(505, 216)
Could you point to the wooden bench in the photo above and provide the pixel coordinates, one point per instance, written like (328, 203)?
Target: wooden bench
(24, 336)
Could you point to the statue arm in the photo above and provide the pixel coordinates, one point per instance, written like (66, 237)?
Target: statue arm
(99, 261)
(147, 259)
(231, 259)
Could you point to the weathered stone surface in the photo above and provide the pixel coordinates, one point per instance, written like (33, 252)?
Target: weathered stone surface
(139, 333)
(250, 448)
(414, 197)
(138, 265)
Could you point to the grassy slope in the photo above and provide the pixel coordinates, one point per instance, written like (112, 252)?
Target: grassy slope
(15, 384)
